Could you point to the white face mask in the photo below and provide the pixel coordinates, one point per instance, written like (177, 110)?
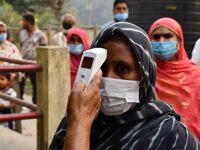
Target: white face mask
(118, 96)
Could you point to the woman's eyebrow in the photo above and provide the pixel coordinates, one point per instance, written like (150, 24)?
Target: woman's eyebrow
(124, 63)
(120, 62)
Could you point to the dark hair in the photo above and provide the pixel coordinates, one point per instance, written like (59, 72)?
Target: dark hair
(6, 74)
(29, 18)
(119, 1)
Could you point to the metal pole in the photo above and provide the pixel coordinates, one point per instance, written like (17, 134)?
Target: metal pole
(90, 2)
(18, 101)
(17, 61)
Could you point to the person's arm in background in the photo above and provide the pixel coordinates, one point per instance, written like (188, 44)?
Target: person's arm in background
(83, 107)
(196, 53)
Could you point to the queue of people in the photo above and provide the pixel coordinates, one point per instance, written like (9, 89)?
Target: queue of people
(145, 96)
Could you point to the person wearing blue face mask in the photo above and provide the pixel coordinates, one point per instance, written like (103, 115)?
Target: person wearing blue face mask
(7, 49)
(3, 37)
(120, 12)
(177, 77)
(76, 42)
(164, 44)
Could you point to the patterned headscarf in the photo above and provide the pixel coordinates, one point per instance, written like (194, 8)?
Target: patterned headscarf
(153, 125)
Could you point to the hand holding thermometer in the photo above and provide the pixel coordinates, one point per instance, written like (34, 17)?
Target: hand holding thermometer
(91, 62)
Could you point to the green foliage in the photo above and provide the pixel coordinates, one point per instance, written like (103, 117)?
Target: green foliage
(9, 15)
(46, 12)
(46, 18)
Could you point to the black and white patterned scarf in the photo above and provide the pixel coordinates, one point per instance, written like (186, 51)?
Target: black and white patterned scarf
(152, 125)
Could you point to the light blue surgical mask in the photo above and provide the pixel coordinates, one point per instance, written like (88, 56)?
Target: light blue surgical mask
(164, 50)
(3, 37)
(121, 16)
(75, 49)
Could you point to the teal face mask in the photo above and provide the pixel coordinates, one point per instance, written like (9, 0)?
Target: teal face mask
(75, 49)
(3, 37)
(164, 50)
(121, 16)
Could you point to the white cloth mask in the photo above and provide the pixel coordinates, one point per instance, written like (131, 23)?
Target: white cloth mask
(118, 96)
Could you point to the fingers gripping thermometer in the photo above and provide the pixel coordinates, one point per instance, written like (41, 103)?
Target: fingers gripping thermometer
(91, 62)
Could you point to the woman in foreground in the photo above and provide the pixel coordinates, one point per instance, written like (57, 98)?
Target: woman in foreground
(127, 116)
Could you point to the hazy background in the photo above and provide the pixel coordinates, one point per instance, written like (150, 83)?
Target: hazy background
(97, 12)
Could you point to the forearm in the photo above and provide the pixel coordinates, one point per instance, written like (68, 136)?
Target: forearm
(81, 114)
(77, 136)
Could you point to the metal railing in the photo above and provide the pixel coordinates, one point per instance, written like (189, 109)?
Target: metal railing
(23, 66)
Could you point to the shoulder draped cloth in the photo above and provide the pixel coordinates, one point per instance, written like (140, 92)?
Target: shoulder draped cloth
(151, 125)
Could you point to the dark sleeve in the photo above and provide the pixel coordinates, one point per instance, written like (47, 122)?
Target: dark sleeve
(58, 140)
(179, 139)
(190, 142)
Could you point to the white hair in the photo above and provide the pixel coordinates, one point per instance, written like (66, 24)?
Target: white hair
(67, 15)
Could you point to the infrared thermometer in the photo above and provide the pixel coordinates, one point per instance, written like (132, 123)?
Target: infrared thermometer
(91, 61)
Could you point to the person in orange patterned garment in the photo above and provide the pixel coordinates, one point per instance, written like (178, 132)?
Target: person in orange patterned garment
(7, 49)
(177, 78)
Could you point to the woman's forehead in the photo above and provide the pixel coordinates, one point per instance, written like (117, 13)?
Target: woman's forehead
(162, 30)
(75, 37)
(118, 50)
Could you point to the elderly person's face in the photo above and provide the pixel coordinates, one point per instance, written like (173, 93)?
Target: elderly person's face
(120, 63)
(68, 22)
(68, 19)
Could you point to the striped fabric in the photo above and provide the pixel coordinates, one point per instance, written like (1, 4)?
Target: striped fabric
(151, 125)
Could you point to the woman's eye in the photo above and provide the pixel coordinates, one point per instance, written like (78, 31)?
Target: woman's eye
(122, 69)
(155, 36)
(168, 36)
